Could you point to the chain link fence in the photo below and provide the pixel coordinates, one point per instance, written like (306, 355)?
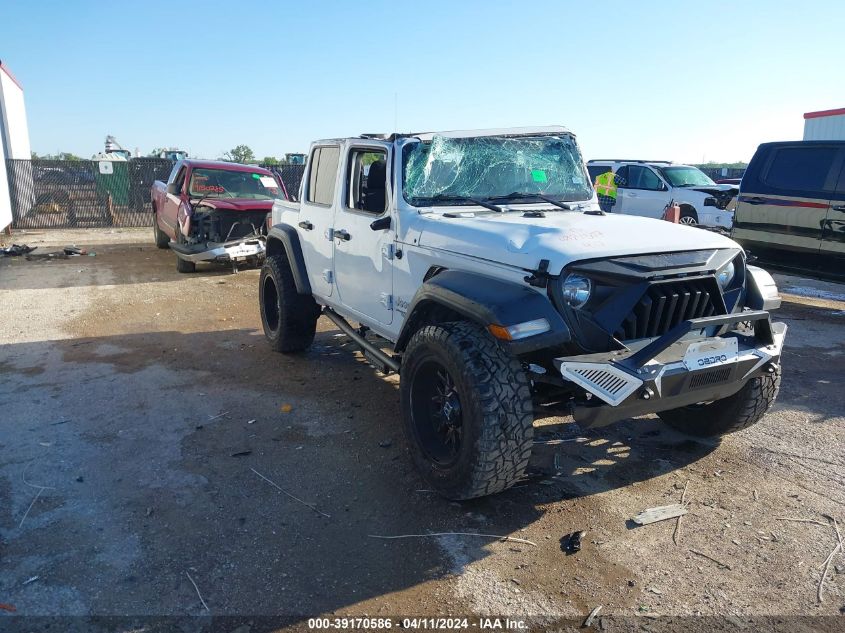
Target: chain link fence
(82, 193)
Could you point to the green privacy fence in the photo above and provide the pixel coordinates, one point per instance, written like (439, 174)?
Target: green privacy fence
(83, 193)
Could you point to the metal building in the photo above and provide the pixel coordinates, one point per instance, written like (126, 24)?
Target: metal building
(825, 125)
(14, 137)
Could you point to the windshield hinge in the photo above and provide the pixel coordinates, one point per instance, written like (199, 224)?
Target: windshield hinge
(539, 278)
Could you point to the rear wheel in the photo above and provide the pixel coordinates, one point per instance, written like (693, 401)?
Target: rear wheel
(729, 415)
(289, 318)
(467, 411)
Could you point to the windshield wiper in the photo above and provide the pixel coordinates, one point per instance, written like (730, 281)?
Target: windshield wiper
(534, 196)
(443, 198)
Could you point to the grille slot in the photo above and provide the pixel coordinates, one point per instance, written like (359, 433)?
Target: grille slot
(703, 379)
(664, 305)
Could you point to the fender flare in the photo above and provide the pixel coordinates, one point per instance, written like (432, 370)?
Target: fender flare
(283, 238)
(486, 301)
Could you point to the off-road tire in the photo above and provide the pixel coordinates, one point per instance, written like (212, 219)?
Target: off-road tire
(161, 238)
(497, 411)
(289, 318)
(184, 266)
(690, 215)
(730, 414)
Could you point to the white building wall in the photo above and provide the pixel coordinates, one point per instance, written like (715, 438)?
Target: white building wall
(825, 128)
(14, 143)
(5, 202)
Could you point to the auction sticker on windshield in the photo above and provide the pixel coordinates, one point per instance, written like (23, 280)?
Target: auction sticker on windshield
(268, 182)
(711, 353)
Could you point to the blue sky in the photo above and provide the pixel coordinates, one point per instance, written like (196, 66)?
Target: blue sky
(704, 81)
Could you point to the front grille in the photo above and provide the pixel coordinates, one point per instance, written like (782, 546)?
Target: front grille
(665, 304)
(701, 379)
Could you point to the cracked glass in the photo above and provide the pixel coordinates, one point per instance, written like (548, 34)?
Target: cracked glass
(489, 167)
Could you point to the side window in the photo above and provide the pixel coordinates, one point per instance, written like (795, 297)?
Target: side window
(367, 180)
(801, 168)
(322, 175)
(180, 178)
(621, 178)
(597, 170)
(173, 172)
(640, 177)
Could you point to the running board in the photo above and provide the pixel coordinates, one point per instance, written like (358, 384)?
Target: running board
(373, 354)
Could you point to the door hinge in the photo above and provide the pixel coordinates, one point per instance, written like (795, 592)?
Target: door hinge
(329, 234)
(328, 276)
(387, 300)
(388, 250)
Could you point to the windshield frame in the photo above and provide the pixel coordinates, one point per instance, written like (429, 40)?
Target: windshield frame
(429, 201)
(663, 172)
(217, 195)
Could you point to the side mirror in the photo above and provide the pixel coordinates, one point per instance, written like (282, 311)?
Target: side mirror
(381, 224)
(173, 189)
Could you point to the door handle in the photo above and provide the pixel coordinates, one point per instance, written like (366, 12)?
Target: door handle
(838, 207)
(306, 225)
(631, 194)
(754, 200)
(342, 234)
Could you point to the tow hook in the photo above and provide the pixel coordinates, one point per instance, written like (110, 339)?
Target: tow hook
(646, 393)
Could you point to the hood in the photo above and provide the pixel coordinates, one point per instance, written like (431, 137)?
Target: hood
(237, 204)
(561, 237)
(717, 190)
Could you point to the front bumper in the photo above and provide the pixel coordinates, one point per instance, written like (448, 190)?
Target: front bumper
(233, 251)
(676, 369)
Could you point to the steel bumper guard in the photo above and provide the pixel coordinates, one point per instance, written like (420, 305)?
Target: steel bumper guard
(676, 369)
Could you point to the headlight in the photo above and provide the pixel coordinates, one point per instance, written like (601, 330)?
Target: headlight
(726, 274)
(576, 290)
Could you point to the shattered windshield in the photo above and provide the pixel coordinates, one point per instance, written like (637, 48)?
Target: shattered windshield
(490, 167)
(224, 183)
(686, 177)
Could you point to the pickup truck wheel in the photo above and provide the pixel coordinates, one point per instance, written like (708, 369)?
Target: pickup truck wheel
(289, 318)
(467, 411)
(161, 238)
(730, 414)
(688, 216)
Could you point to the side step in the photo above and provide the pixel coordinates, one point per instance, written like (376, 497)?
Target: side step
(373, 354)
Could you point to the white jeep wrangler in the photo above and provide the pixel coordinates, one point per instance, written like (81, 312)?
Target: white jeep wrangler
(479, 267)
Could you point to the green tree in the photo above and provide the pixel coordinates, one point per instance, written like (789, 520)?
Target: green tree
(241, 154)
(67, 156)
(270, 160)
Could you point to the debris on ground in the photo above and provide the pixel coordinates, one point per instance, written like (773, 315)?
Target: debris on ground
(198, 591)
(708, 557)
(8, 607)
(16, 250)
(285, 492)
(677, 531)
(571, 543)
(510, 539)
(590, 618)
(661, 513)
(242, 453)
(286, 408)
(30, 580)
(386, 443)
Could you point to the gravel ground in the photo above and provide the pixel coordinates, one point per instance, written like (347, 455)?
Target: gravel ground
(142, 412)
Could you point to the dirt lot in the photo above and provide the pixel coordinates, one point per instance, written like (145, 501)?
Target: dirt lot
(139, 407)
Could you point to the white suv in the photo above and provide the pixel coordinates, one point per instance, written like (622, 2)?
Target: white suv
(646, 187)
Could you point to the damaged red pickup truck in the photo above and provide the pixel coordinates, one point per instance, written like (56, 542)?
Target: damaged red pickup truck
(213, 211)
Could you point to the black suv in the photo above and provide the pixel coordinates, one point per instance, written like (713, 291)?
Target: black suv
(792, 198)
